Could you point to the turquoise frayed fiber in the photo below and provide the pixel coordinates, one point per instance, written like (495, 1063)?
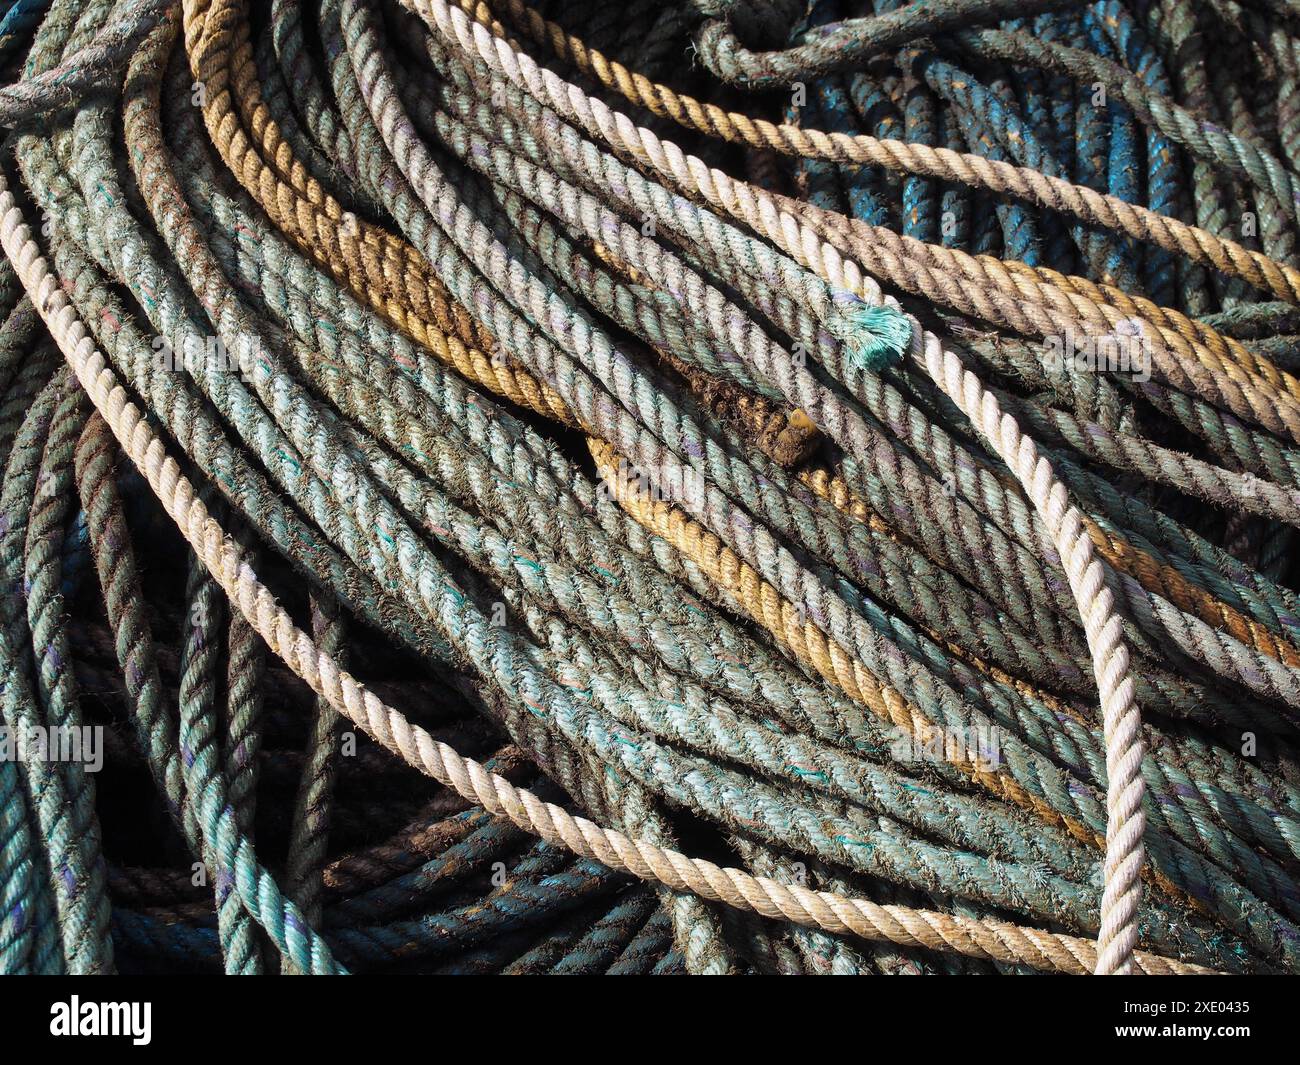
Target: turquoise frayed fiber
(875, 337)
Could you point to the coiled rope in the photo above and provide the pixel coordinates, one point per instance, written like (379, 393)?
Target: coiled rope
(682, 498)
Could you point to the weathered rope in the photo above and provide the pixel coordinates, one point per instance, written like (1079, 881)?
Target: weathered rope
(814, 507)
(226, 564)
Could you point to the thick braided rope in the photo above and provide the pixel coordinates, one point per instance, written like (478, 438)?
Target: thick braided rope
(1220, 657)
(307, 308)
(827, 911)
(1062, 604)
(1122, 725)
(97, 65)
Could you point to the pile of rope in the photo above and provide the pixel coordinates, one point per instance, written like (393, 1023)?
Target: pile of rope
(716, 486)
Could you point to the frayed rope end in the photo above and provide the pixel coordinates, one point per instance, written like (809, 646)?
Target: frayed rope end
(874, 336)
